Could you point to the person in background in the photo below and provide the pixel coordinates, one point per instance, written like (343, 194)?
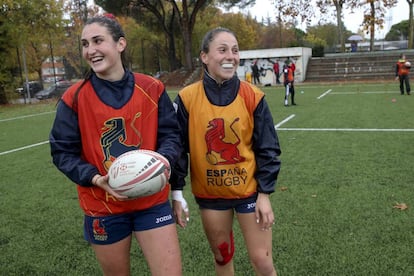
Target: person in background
(233, 149)
(354, 46)
(256, 73)
(288, 81)
(276, 70)
(249, 77)
(402, 70)
(110, 112)
(289, 61)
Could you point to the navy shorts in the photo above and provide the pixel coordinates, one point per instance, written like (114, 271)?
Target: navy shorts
(240, 205)
(111, 229)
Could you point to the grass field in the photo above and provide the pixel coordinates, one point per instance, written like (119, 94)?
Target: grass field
(347, 163)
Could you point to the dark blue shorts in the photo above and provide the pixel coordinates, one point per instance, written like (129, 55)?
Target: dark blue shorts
(111, 229)
(240, 205)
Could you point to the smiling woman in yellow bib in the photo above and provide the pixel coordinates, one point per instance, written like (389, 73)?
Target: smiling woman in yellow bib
(233, 150)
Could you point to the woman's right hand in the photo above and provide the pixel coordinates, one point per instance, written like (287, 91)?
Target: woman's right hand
(101, 181)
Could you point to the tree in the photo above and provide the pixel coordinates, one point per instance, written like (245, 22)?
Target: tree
(327, 33)
(290, 11)
(163, 19)
(270, 36)
(78, 12)
(410, 24)
(167, 13)
(246, 35)
(338, 4)
(374, 13)
(143, 49)
(317, 44)
(5, 47)
(398, 31)
(187, 18)
(34, 25)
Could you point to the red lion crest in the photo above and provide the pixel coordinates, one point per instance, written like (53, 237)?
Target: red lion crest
(215, 135)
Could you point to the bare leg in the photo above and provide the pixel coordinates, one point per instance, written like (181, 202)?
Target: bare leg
(258, 243)
(161, 250)
(114, 258)
(218, 227)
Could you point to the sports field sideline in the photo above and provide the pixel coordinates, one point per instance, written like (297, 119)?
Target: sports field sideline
(343, 202)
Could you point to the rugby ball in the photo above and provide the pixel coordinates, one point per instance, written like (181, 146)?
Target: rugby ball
(139, 173)
(407, 64)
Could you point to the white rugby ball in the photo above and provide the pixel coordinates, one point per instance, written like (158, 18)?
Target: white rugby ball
(407, 64)
(139, 173)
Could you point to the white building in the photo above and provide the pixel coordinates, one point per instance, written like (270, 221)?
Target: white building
(267, 57)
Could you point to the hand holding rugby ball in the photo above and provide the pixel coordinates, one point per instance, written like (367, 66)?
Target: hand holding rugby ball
(139, 173)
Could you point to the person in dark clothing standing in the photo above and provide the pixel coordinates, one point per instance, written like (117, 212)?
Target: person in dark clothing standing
(276, 70)
(402, 70)
(256, 74)
(288, 81)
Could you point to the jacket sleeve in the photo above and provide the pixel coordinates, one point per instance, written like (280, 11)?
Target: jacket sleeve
(65, 145)
(169, 137)
(267, 149)
(180, 170)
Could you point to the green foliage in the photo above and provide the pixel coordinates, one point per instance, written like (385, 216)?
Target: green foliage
(398, 31)
(207, 20)
(328, 33)
(248, 31)
(138, 37)
(246, 34)
(342, 174)
(30, 25)
(5, 47)
(317, 44)
(116, 7)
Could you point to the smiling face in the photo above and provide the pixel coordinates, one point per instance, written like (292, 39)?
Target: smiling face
(102, 53)
(222, 56)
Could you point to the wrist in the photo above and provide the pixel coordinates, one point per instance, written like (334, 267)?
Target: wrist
(95, 178)
(177, 195)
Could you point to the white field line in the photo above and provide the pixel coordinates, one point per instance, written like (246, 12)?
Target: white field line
(277, 127)
(284, 121)
(324, 94)
(367, 92)
(28, 146)
(350, 129)
(26, 116)
(23, 148)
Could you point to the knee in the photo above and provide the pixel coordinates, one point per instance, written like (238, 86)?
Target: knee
(225, 251)
(263, 264)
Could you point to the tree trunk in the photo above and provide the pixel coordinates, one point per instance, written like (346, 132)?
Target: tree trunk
(188, 48)
(173, 61)
(3, 98)
(340, 24)
(372, 27)
(410, 24)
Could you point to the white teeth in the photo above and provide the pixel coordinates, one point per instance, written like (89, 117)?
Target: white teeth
(96, 59)
(227, 65)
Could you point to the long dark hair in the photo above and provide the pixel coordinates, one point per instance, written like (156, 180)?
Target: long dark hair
(114, 28)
